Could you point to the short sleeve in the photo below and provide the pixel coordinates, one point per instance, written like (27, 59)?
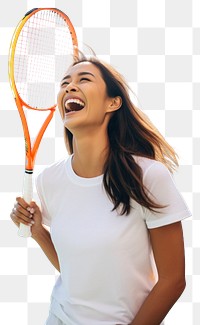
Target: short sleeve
(163, 191)
(46, 218)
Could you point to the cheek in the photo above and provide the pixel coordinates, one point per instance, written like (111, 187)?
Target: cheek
(98, 98)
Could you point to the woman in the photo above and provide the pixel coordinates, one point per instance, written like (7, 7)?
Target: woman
(112, 207)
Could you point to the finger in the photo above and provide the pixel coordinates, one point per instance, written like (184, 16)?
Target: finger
(12, 216)
(33, 205)
(34, 208)
(19, 217)
(16, 220)
(22, 210)
(31, 210)
(22, 203)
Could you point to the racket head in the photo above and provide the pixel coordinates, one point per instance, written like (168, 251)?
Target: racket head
(42, 48)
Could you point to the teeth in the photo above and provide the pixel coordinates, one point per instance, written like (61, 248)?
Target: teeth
(74, 100)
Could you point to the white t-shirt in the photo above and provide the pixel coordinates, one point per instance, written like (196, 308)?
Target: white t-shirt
(106, 262)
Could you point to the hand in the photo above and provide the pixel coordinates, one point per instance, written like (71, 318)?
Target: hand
(28, 214)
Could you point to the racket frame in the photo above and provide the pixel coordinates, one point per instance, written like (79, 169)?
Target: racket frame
(31, 150)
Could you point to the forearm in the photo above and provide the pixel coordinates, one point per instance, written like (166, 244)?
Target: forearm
(43, 239)
(158, 303)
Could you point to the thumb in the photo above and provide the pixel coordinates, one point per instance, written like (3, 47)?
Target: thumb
(33, 207)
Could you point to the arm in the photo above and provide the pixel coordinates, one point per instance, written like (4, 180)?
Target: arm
(168, 248)
(43, 239)
(31, 215)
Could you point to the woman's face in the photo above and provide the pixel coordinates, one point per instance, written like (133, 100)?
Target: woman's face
(82, 99)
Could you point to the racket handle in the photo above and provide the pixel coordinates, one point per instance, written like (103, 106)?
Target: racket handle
(25, 231)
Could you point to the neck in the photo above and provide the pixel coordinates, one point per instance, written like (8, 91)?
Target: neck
(90, 154)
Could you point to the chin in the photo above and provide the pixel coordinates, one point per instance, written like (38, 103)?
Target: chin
(72, 123)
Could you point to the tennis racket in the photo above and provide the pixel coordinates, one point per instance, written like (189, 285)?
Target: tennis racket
(41, 50)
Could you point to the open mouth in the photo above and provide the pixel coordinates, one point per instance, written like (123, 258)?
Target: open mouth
(73, 105)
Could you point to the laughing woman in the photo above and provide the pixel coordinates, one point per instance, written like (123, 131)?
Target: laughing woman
(113, 209)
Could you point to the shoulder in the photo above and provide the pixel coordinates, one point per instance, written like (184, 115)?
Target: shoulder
(156, 176)
(151, 168)
(52, 172)
(161, 188)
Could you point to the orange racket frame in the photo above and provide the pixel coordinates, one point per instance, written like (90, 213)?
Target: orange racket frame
(31, 151)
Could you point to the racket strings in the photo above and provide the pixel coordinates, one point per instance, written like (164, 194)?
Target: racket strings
(44, 50)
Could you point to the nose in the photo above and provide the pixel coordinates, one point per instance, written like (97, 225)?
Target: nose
(71, 87)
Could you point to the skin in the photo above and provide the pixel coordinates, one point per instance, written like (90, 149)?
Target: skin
(91, 147)
(168, 248)
(88, 126)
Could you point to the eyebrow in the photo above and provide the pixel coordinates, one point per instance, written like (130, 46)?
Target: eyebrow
(79, 74)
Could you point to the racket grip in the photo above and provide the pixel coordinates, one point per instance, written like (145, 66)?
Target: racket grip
(25, 231)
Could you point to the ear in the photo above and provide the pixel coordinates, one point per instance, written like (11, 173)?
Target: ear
(115, 104)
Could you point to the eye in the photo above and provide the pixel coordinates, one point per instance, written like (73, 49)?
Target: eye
(83, 79)
(64, 83)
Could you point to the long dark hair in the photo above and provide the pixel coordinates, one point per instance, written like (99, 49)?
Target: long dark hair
(130, 134)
